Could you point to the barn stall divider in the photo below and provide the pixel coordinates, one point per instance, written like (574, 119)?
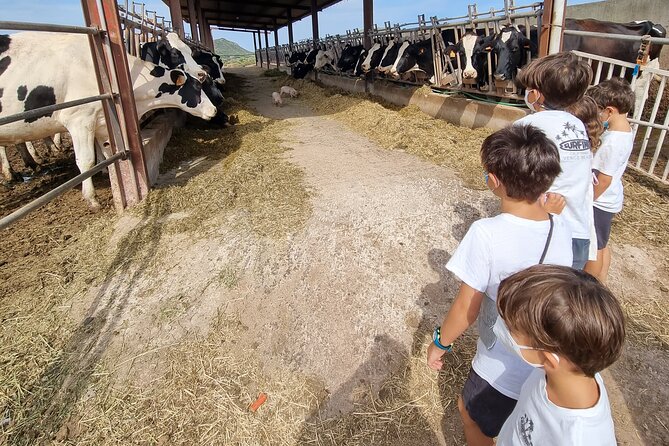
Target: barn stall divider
(127, 168)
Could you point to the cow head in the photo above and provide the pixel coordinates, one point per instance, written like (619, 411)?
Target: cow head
(358, 71)
(296, 56)
(324, 57)
(473, 50)
(301, 69)
(418, 55)
(366, 65)
(189, 64)
(389, 56)
(349, 57)
(211, 63)
(511, 47)
(172, 88)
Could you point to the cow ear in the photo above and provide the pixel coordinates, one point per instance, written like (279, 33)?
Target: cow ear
(421, 51)
(178, 77)
(488, 48)
(451, 54)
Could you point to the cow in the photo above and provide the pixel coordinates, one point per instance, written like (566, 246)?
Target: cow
(357, 71)
(414, 57)
(303, 68)
(511, 46)
(349, 57)
(211, 63)
(615, 49)
(295, 57)
(325, 58)
(473, 55)
(373, 58)
(172, 52)
(389, 56)
(36, 74)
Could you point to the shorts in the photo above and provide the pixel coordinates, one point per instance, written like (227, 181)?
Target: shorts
(603, 222)
(580, 247)
(486, 406)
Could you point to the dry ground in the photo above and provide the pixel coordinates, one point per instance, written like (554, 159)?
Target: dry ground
(293, 255)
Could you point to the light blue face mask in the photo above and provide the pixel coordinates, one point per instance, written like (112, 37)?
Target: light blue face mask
(529, 104)
(504, 336)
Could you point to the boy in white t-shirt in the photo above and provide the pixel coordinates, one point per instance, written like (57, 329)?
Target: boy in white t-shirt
(552, 84)
(615, 100)
(569, 327)
(521, 163)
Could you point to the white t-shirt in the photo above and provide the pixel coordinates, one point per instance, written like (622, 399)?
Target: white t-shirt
(575, 182)
(492, 250)
(536, 421)
(611, 159)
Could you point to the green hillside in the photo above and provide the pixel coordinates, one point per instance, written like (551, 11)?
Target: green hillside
(227, 49)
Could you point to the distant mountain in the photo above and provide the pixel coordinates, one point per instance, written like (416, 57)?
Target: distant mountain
(227, 49)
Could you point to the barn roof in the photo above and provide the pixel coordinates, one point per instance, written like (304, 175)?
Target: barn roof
(253, 14)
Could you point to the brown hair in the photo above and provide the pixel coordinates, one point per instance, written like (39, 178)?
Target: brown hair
(565, 311)
(587, 111)
(524, 159)
(561, 78)
(615, 92)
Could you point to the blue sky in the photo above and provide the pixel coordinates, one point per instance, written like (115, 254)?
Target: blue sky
(334, 20)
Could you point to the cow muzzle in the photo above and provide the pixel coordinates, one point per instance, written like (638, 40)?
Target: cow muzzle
(469, 74)
(208, 112)
(500, 77)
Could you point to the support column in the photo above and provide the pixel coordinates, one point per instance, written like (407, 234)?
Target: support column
(276, 46)
(208, 39)
(200, 22)
(177, 19)
(192, 15)
(314, 21)
(368, 22)
(267, 47)
(255, 48)
(290, 28)
(260, 47)
(557, 25)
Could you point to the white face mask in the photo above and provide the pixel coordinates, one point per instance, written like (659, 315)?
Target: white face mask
(504, 336)
(529, 104)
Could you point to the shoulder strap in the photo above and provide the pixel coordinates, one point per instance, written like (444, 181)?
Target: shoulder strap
(548, 240)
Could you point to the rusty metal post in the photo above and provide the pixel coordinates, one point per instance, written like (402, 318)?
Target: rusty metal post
(192, 15)
(276, 45)
(260, 47)
(177, 19)
(255, 48)
(267, 47)
(545, 29)
(208, 39)
(200, 22)
(135, 183)
(368, 22)
(290, 28)
(314, 21)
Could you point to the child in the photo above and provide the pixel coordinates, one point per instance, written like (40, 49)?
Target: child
(587, 111)
(569, 327)
(615, 99)
(521, 163)
(552, 84)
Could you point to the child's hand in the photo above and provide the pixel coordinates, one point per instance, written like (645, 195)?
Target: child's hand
(434, 355)
(553, 203)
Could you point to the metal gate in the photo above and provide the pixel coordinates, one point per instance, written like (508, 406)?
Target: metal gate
(129, 179)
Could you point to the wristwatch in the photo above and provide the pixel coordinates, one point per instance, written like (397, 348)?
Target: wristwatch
(436, 338)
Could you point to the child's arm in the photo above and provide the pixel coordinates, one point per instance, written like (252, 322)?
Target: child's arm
(463, 313)
(603, 182)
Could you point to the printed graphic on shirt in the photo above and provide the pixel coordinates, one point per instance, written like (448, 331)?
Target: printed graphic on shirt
(572, 139)
(526, 426)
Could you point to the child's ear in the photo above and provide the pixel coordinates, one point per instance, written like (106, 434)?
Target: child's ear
(551, 360)
(493, 181)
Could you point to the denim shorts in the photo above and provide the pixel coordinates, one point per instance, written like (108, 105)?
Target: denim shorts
(603, 221)
(580, 247)
(486, 406)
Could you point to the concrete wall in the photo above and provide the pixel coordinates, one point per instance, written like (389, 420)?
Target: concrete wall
(459, 111)
(622, 11)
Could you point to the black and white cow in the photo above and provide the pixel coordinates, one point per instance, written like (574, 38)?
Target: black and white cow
(389, 56)
(373, 57)
(36, 73)
(511, 46)
(295, 57)
(172, 52)
(358, 71)
(415, 57)
(301, 69)
(211, 63)
(473, 51)
(349, 57)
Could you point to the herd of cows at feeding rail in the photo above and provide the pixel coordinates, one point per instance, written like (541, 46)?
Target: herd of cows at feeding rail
(170, 74)
(467, 60)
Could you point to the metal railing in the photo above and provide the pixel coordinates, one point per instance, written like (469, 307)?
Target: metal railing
(647, 130)
(105, 63)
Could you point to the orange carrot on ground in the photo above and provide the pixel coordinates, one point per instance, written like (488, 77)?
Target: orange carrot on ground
(258, 402)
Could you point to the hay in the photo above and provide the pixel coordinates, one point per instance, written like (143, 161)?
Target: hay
(273, 72)
(402, 128)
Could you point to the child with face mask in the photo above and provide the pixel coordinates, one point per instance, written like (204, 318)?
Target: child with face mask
(568, 327)
(615, 100)
(552, 85)
(520, 164)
